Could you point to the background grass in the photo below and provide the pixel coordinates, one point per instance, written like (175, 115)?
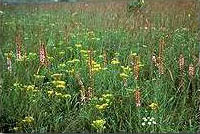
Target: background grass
(116, 33)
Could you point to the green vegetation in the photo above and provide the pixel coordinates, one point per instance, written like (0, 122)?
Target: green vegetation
(76, 67)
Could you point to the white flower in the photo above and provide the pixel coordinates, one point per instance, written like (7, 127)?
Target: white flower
(148, 118)
(144, 118)
(1, 12)
(154, 123)
(151, 119)
(143, 123)
(149, 123)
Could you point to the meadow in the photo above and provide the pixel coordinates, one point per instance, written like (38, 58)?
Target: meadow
(100, 67)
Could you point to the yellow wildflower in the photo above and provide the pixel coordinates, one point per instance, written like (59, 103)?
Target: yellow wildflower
(97, 66)
(78, 45)
(39, 76)
(66, 96)
(126, 69)
(57, 76)
(30, 88)
(59, 82)
(102, 107)
(58, 94)
(50, 92)
(107, 95)
(60, 86)
(70, 71)
(73, 61)
(99, 124)
(123, 75)
(115, 61)
(154, 106)
(76, 60)
(28, 119)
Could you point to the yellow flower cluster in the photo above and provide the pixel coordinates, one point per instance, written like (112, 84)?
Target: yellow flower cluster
(28, 120)
(107, 96)
(102, 106)
(126, 71)
(84, 54)
(96, 66)
(99, 124)
(59, 83)
(23, 58)
(73, 61)
(30, 88)
(153, 106)
(70, 71)
(106, 99)
(91, 34)
(39, 77)
(57, 76)
(57, 94)
(115, 61)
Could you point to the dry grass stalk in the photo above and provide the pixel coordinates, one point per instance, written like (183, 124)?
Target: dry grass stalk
(199, 60)
(160, 57)
(191, 71)
(147, 24)
(105, 60)
(154, 60)
(181, 63)
(136, 67)
(125, 82)
(9, 62)
(90, 66)
(18, 41)
(82, 91)
(138, 98)
(43, 55)
(89, 93)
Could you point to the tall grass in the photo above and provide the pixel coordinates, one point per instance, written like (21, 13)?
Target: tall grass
(105, 69)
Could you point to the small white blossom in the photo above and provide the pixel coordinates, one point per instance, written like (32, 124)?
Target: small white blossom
(149, 121)
(144, 118)
(154, 123)
(152, 119)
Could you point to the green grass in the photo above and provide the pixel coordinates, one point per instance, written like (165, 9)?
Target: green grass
(110, 33)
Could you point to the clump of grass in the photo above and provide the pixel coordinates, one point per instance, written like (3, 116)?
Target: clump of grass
(76, 67)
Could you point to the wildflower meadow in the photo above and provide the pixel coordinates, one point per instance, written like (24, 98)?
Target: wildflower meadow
(100, 66)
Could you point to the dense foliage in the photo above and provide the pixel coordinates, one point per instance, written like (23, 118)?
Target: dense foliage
(76, 67)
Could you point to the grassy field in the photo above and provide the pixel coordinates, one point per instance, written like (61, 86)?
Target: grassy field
(99, 67)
